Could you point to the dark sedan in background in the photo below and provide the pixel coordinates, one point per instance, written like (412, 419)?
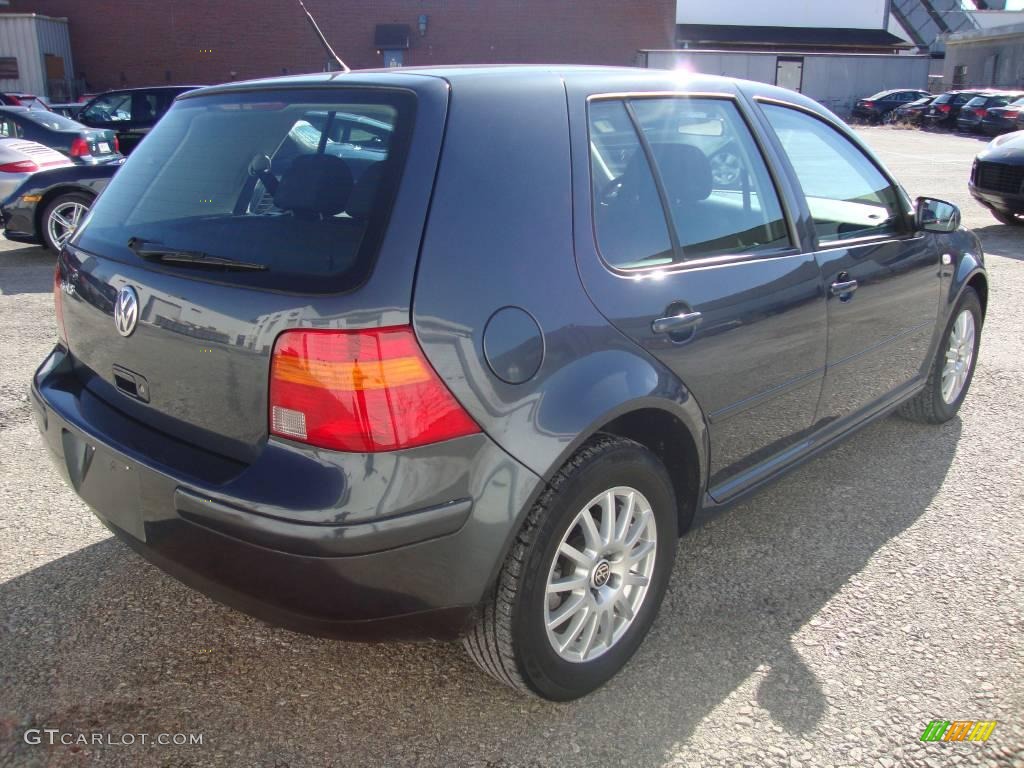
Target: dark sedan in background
(943, 112)
(130, 113)
(83, 145)
(976, 110)
(997, 178)
(911, 113)
(1002, 119)
(48, 207)
(875, 108)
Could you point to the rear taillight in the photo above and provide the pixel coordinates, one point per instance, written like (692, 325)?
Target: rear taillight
(360, 391)
(79, 147)
(117, 144)
(868, 105)
(943, 108)
(58, 289)
(19, 166)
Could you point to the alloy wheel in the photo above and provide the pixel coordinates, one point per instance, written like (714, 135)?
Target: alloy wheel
(600, 574)
(959, 356)
(64, 220)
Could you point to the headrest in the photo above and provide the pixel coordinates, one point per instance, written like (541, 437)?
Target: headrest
(685, 172)
(318, 184)
(360, 202)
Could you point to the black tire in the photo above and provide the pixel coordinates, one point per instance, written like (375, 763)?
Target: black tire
(928, 405)
(1007, 218)
(53, 205)
(509, 640)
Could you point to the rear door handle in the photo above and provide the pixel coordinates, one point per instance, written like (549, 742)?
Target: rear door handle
(846, 286)
(676, 323)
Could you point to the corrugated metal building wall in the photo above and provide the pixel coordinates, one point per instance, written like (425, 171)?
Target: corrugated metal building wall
(835, 80)
(38, 43)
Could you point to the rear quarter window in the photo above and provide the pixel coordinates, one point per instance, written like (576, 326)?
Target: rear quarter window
(298, 182)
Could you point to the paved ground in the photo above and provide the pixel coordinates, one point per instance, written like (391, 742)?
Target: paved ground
(824, 622)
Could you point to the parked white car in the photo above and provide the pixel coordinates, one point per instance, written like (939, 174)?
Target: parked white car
(19, 159)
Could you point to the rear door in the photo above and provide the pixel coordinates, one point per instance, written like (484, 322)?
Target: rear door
(881, 276)
(682, 243)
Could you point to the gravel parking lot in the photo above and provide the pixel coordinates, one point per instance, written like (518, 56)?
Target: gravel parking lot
(825, 621)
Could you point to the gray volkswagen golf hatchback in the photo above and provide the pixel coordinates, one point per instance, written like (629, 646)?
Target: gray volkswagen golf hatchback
(462, 352)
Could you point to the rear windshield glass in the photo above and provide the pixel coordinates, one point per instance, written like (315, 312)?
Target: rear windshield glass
(977, 101)
(298, 185)
(53, 121)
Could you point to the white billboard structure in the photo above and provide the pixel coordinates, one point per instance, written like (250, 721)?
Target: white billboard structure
(852, 14)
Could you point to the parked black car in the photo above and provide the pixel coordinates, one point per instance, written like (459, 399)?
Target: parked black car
(68, 109)
(911, 113)
(875, 108)
(1000, 120)
(944, 110)
(131, 113)
(85, 146)
(49, 205)
(997, 178)
(606, 339)
(974, 112)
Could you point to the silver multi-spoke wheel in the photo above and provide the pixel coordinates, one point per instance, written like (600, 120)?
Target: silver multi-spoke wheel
(726, 169)
(959, 356)
(64, 220)
(600, 574)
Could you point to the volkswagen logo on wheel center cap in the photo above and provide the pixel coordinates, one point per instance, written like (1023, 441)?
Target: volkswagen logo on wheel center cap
(126, 311)
(602, 572)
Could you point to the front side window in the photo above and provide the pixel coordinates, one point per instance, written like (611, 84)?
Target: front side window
(847, 195)
(715, 187)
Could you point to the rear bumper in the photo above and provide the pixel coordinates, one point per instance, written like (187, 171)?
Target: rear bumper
(399, 545)
(19, 221)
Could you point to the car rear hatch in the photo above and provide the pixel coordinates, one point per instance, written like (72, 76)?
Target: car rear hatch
(102, 144)
(243, 214)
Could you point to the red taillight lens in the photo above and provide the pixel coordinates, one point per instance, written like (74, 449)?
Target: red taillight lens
(361, 391)
(79, 147)
(19, 166)
(117, 144)
(869, 104)
(58, 306)
(943, 108)
(981, 112)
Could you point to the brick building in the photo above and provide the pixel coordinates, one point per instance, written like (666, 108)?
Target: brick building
(149, 42)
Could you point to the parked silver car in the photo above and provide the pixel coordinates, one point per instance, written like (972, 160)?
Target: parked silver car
(19, 159)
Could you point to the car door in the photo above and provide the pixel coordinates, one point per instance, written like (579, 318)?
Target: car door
(683, 244)
(882, 277)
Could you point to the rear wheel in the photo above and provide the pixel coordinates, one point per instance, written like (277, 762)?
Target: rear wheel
(61, 218)
(1008, 218)
(582, 583)
(953, 367)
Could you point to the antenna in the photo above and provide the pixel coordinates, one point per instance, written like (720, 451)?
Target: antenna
(323, 40)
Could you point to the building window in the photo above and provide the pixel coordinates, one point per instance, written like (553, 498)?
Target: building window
(959, 75)
(8, 68)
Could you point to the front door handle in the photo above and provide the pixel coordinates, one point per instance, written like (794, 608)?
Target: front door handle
(844, 287)
(676, 323)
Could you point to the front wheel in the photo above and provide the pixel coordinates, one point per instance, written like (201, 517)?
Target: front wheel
(61, 218)
(953, 367)
(582, 583)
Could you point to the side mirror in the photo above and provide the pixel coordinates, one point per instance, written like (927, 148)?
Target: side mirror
(936, 215)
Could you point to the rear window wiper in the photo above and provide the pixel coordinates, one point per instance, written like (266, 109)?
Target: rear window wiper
(154, 251)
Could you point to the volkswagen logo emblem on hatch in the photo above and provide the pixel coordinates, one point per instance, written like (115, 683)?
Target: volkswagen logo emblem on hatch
(126, 311)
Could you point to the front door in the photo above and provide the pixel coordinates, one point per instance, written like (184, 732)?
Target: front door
(882, 278)
(683, 246)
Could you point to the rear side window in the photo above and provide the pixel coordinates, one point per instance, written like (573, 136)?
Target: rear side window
(714, 185)
(847, 195)
(273, 179)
